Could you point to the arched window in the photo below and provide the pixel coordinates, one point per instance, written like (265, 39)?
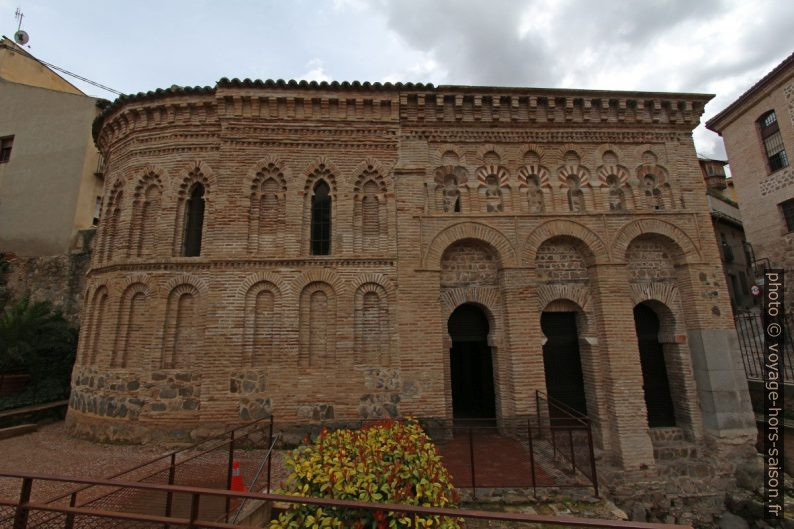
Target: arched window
(773, 141)
(321, 219)
(194, 222)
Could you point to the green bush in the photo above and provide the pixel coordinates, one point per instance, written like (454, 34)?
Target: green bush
(386, 462)
(37, 340)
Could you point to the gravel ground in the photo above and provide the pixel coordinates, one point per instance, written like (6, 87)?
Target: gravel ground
(50, 450)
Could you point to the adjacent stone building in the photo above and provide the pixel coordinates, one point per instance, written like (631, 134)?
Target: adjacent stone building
(758, 130)
(338, 251)
(728, 228)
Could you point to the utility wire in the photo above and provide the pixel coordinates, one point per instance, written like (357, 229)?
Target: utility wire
(89, 81)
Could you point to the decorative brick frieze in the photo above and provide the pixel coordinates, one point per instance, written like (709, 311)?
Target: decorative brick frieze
(342, 225)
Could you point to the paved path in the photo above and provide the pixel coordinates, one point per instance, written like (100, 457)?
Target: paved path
(499, 461)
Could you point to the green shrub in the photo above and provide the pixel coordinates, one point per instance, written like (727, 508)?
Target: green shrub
(37, 340)
(386, 462)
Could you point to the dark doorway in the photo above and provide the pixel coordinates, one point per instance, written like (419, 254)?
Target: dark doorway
(471, 364)
(656, 386)
(561, 360)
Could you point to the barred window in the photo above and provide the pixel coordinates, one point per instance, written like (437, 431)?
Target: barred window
(773, 141)
(787, 208)
(5, 148)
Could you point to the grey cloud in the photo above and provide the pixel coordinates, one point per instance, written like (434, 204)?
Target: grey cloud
(475, 41)
(478, 42)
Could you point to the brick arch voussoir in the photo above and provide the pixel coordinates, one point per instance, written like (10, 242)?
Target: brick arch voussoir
(324, 275)
(364, 172)
(376, 288)
(604, 147)
(665, 293)
(187, 178)
(559, 152)
(149, 174)
(261, 277)
(501, 173)
(198, 284)
(656, 170)
(488, 147)
(470, 230)
(673, 233)
(538, 149)
(488, 298)
(441, 149)
(620, 171)
(116, 189)
(374, 278)
(267, 161)
(98, 289)
(656, 150)
(579, 172)
(565, 228)
(577, 294)
(525, 171)
(140, 281)
(321, 164)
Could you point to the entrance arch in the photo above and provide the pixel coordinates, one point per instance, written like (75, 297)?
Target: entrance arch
(471, 364)
(562, 361)
(655, 381)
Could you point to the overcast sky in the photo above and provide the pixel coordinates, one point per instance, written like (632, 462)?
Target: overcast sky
(711, 46)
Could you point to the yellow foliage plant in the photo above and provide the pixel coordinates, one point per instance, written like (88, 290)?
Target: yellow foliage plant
(385, 462)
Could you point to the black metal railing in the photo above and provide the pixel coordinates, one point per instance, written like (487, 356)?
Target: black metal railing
(750, 331)
(552, 448)
(206, 464)
(22, 511)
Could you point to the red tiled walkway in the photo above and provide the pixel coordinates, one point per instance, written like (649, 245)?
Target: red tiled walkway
(499, 461)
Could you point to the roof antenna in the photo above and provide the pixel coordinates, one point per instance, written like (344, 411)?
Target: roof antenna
(20, 37)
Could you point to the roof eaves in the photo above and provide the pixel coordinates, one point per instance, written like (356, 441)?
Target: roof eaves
(712, 124)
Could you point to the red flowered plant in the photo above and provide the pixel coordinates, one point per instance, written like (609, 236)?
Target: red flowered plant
(384, 462)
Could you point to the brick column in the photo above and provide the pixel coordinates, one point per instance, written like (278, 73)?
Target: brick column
(523, 336)
(423, 357)
(627, 418)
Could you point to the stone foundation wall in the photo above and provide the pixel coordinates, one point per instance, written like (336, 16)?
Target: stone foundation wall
(693, 487)
(59, 279)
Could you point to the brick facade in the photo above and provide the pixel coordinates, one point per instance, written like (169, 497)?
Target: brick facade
(517, 201)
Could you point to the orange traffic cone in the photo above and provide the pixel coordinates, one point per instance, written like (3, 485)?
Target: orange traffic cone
(238, 485)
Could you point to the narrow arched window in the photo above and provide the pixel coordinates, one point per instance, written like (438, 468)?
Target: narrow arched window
(321, 219)
(194, 222)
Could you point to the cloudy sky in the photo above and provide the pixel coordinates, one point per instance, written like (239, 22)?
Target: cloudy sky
(712, 46)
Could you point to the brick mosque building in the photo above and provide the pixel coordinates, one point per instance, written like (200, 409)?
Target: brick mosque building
(335, 251)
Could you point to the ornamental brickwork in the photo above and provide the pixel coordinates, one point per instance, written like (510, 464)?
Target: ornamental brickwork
(517, 201)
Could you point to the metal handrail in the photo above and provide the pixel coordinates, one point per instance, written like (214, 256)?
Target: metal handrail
(23, 505)
(575, 414)
(167, 455)
(170, 455)
(266, 459)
